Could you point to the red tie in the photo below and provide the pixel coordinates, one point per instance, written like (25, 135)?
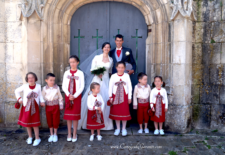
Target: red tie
(118, 52)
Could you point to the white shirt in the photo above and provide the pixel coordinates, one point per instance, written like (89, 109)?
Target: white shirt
(142, 93)
(116, 78)
(26, 91)
(52, 93)
(119, 48)
(91, 102)
(79, 83)
(162, 92)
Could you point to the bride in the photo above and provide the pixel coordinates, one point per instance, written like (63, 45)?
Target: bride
(99, 61)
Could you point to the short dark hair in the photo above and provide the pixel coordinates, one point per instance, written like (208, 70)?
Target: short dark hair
(105, 43)
(75, 57)
(119, 36)
(93, 84)
(141, 75)
(49, 75)
(35, 76)
(120, 62)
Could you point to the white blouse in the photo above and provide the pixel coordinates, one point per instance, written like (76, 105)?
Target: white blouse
(26, 91)
(52, 93)
(116, 78)
(79, 83)
(142, 93)
(162, 92)
(91, 102)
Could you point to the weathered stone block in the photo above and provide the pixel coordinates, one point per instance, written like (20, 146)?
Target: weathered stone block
(222, 94)
(10, 11)
(216, 73)
(2, 32)
(208, 10)
(215, 53)
(2, 11)
(14, 72)
(14, 31)
(197, 73)
(2, 53)
(178, 118)
(197, 53)
(201, 116)
(34, 52)
(9, 54)
(10, 90)
(195, 92)
(223, 53)
(206, 53)
(207, 32)
(209, 94)
(11, 114)
(218, 117)
(2, 114)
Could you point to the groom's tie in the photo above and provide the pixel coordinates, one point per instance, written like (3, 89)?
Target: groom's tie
(118, 52)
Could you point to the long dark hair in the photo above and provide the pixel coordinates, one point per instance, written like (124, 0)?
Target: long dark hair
(160, 77)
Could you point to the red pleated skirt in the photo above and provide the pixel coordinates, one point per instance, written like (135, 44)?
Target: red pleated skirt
(25, 118)
(91, 123)
(74, 112)
(120, 111)
(162, 117)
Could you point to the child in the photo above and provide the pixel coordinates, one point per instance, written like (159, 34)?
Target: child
(29, 114)
(96, 106)
(159, 104)
(73, 85)
(142, 93)
(54, 102)
(120, 92)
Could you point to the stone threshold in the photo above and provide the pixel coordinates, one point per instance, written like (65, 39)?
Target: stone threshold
(131, 131)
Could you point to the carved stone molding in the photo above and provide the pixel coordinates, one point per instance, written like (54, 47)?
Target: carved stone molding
(29, 6)
(185, 7)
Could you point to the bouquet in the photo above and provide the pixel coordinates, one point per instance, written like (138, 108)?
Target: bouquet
(98, 71)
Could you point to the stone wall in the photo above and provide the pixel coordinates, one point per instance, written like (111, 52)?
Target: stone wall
(10, 60)
(208, 82)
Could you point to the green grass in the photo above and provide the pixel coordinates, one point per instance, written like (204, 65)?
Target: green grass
(172, 153)
(219, 146)
(215, 130)
(185, 150)
(212, 41)
(209, 147)
(206, 138)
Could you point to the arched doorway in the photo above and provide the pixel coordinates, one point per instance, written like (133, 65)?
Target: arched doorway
(95, 23)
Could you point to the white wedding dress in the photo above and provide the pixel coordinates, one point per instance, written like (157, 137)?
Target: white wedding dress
(104, 86)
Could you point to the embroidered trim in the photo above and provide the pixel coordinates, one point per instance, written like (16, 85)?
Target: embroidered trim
(139, 85)
(140, 100)
(29, 123)
(52, 103)
(119, 116)
(95, 125)
(55, 87)
(72, 114)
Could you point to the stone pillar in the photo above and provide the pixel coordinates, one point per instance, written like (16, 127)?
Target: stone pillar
(179, 114)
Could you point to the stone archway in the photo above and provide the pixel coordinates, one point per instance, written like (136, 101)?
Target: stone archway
(168, 46)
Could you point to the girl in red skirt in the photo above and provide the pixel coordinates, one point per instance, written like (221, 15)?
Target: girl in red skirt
(142, 94)
(73, 86)
(120, 92)
(96, 106)
(54, 103)
(159, 104)
(29, 114)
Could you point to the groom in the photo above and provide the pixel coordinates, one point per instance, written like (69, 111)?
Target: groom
(121, 53)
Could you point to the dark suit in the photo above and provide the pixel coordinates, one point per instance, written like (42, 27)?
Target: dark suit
(125, 58)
